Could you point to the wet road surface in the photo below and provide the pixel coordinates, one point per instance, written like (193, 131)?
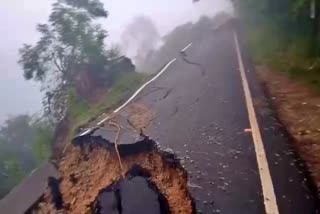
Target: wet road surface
(201, 114)
(198, 109)
(23, 196)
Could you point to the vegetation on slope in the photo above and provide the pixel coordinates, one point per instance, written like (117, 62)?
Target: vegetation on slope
(24, 144)
(284, 35)
(81, 77)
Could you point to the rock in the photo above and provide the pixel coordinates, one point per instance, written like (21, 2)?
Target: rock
(304, 132)
(193, 185)
(211, 183)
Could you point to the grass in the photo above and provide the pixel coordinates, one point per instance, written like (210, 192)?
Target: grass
(274, 47)
(81, 112)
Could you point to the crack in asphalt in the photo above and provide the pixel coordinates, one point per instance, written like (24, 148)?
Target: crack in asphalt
(176, 109)
(155, 89)
(147, 93)
(167, 94)
(133, 126)
(202, 68)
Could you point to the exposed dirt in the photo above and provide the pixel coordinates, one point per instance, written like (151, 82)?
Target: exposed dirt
(139, 115)
(92, 165)
(298, 108)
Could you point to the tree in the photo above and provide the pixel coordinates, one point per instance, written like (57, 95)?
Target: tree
(24, 144)
(17, 131)
(43, 137)
(15, 151)
(294, 19)
(70, 43)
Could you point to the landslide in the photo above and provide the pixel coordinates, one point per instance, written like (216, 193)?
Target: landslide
(91, 165)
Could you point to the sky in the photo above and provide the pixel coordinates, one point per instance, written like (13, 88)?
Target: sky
(17, 26)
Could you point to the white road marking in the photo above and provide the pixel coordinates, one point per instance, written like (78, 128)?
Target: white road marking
(135, 94)
(185, 48)
(270, 201)
(144, 85)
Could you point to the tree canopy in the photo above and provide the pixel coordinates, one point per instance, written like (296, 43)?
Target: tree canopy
(70, 43)
(292, 18)
(24, 144)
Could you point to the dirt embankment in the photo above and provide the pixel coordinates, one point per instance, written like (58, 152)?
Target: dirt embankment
(298, 108)
(91, 165)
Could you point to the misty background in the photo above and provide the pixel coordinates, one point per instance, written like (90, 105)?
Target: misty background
(127, 18)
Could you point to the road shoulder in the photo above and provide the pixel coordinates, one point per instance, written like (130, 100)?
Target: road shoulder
(293, 187)
(298, 108)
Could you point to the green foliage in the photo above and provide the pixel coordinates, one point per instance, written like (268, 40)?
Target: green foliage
(76, 105)
(126, 83)
(119, 90)
(24, 144)
(13, 171)
(42, 143)
(70, 43)
(123, 87)
(282, 35)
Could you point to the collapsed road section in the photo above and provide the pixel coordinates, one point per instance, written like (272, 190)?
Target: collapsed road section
(101, 176)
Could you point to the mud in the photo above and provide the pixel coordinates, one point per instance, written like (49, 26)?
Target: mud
(91, 166)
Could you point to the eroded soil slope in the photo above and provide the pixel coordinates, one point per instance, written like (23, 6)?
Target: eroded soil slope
(92, 165)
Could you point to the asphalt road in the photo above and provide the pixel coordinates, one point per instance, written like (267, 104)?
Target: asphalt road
(29, 191)
(201, 114)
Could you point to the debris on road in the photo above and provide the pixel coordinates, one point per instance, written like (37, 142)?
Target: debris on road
(193, 185)
(248, 130)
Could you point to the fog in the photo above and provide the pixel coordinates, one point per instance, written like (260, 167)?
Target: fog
(17, 26)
